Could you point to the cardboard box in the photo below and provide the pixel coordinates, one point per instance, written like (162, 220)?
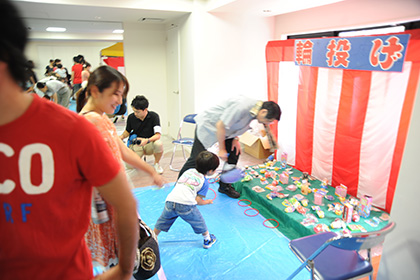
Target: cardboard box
(258, 147)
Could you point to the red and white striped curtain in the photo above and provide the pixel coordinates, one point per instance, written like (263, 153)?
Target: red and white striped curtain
(348, 126)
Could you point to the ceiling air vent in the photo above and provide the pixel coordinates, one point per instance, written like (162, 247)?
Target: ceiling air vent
(151, 20)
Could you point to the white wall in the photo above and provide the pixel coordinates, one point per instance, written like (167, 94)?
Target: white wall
(221, 55)
(187, 70)
(145, 66)
(401, 255)
(347, 14)
(229, 56)
(42, 51)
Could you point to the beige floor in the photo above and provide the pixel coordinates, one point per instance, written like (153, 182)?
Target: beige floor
(141, 179)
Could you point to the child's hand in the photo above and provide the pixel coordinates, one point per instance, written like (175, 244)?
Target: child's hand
(201, 201)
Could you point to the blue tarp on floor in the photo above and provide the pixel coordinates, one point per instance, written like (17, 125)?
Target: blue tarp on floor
(245, 248)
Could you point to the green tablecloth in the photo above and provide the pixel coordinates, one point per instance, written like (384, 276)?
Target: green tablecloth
(290, 223)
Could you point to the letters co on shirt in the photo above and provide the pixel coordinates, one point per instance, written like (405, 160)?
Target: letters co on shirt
(372, 53)
(31, 185)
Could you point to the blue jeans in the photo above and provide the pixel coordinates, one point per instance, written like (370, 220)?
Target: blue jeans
(188, 213)
(76, 88)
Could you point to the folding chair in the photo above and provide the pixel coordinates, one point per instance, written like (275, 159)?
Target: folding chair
(331, 255)
(182, 141)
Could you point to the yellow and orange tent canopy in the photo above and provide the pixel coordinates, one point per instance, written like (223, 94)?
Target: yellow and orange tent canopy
(116, 50)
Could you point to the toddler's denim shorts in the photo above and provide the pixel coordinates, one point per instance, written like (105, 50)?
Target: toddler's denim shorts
(188, 213)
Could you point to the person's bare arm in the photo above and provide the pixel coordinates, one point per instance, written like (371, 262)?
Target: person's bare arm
(201, 201)
(155, 137)
(117, 193)
(133, 159)
(236, 144)
(54, 97)
(124, 135)
(221, 136)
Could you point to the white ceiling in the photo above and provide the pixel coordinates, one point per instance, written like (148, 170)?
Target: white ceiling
(98, 18)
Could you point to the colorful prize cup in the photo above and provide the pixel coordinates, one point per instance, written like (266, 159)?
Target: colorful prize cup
(318, 196)
(304, 189)
(284, 178)
(283, 159)
(341, 190)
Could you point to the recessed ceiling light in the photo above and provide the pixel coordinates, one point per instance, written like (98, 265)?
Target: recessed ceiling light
(119, 31)
(56, 29)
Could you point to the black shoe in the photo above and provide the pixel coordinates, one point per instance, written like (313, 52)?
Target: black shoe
(229, 191)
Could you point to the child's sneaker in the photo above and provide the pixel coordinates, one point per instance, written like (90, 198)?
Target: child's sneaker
(208, 243)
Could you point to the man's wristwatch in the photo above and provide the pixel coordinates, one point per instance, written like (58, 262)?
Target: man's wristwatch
(148, 140)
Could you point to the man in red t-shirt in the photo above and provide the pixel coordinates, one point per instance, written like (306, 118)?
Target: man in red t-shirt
(50, 158)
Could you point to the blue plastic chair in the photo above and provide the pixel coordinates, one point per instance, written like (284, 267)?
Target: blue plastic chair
(182, 141)
(332, 256)
(121, 110)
